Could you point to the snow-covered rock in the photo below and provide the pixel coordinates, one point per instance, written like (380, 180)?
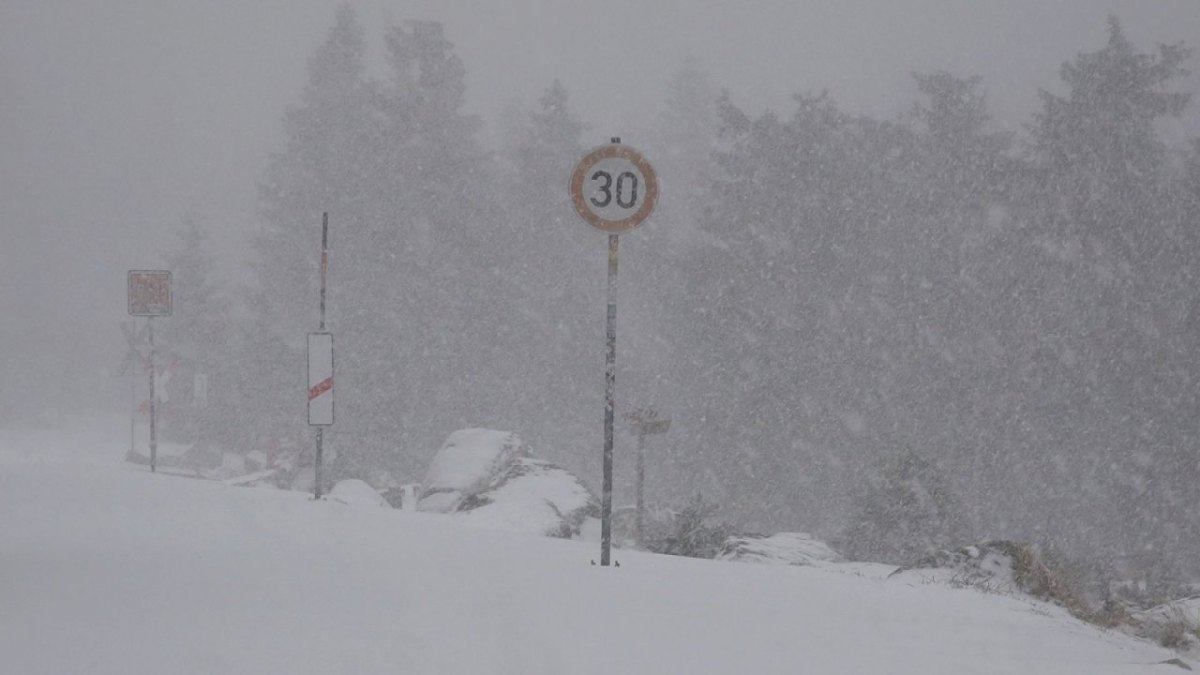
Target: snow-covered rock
(533, 496)
(468, 462)
(784, 548)
(490, 477)
(357, 493)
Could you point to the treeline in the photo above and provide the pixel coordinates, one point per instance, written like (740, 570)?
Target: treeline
(896, 333)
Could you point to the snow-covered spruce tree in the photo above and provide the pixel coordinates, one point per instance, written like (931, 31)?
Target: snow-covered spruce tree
(942, 321)
(416, 284)
(554, 274)
(660, 319)
(420, 291)
(682, 147)
(786, 328)
(193, 346)
(905, 509)
(330, 136)
(1094, 303)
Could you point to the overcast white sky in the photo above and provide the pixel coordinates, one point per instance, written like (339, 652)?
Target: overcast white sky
(117, 117)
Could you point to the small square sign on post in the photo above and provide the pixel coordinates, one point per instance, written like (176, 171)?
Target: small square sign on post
(149, 293)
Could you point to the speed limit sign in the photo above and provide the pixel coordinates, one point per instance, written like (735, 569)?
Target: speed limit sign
(614, 188)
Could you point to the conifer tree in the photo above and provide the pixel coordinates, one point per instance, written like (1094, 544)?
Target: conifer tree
(555, 271)
(905, 509)
(193, 345)
(422, 285)
(1097, 373)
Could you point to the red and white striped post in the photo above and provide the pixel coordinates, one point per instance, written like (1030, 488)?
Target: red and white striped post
(320, 369)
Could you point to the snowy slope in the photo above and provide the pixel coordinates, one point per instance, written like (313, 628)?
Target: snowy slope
(105, 568)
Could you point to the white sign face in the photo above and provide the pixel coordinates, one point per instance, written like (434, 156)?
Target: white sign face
(614, 188)
(320, 379)
(149, 293)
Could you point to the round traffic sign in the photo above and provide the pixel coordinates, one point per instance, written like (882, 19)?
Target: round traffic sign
(614, 188)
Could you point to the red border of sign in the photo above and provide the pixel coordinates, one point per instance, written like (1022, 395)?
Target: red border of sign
(608, 152)
(145, 273)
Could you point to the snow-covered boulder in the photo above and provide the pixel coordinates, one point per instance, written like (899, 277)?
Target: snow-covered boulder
(490, 477)
(533, 496)
(357, 493)
(784, 548)
(467, 464)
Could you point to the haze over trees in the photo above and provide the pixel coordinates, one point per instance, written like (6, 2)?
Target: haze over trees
(858, 326)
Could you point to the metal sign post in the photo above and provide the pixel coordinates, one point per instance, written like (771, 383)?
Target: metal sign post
(614, 189)
(320, 369)
(129, 364)
(646, 423)
(150, 296)
(610, 390)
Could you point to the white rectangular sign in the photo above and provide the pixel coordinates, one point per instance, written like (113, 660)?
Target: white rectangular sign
(320, 379)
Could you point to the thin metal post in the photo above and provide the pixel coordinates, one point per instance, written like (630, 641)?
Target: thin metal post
(319, 460)
(610, 386)
(324, 262)
(641, 482)
(133, 359)
(317, 472)
(153, 418)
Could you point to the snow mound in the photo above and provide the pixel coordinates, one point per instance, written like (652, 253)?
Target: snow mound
(533, 496)
(206, 576)
(467, 463)
(357, 493)
(784, 548)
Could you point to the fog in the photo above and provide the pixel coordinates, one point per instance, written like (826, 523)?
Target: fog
(120, 121)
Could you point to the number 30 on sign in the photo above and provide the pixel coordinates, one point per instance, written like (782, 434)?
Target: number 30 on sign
(614, 188)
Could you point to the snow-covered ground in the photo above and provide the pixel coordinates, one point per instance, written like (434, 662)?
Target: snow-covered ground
(106, 568)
